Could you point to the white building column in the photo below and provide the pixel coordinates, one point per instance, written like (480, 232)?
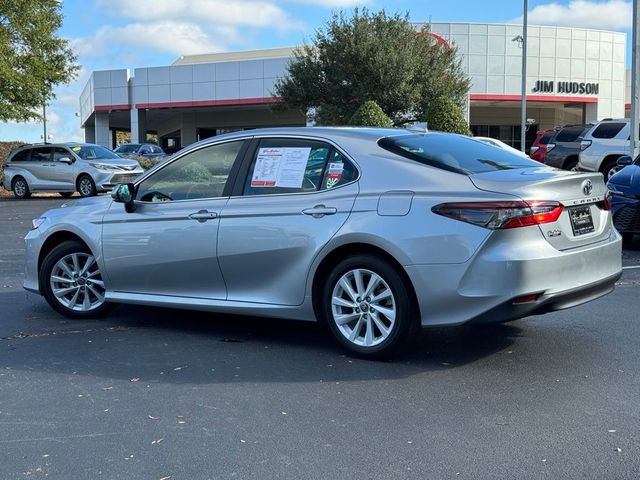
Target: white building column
(138, 126)
(102, 133)
(591, 112)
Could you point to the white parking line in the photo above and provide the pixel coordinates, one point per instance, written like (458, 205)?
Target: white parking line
(632, 267)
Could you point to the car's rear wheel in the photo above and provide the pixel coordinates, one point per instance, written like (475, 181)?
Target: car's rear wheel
(571, 164)
(368, 307)
(610, 169)
(71, 281)
(21, 188)
(86, 186)
(65, 194)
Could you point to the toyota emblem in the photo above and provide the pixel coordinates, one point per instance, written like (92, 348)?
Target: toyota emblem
(587, 187)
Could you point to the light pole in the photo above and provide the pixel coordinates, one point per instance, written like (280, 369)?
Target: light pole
(44, 121)
(635, 85)
(523, 113)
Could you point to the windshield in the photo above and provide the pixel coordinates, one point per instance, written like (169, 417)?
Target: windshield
(127, 148)
(94, 152)
(455, 153)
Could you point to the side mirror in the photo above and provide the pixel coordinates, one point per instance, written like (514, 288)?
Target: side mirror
(624, 161)
(66, 160)
(125, 193)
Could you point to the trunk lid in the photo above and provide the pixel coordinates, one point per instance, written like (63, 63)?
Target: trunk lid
(583, 221)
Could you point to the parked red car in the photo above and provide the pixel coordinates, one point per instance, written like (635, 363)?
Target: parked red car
(539, 147)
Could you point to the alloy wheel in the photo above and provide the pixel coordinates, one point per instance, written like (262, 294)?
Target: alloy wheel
(363, 307)
(615, 169)
(85, 186)
(20, 188)
(76, 282)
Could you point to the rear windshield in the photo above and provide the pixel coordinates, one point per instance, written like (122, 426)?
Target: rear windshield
(454, 153)
(545, 138)
(607, 130)
(569, 134)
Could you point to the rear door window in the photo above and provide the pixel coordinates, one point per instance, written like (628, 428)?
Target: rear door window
(607, 130)
(455, 153)
(41, 154)
(569, 134)
(296, 166)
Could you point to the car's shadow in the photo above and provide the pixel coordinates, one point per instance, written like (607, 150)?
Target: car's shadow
(164, 345)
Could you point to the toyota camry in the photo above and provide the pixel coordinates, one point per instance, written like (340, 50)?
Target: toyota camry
(373, 232)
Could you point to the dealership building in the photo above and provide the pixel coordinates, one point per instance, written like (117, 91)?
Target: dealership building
(574, 75)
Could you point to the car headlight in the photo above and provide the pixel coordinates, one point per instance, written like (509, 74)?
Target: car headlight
(104, 166)
(36, 222)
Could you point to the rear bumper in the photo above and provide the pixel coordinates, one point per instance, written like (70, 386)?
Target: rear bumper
(548, 303)
(512, 265)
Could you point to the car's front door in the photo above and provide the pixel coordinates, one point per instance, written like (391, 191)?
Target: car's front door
(291, 198)
(62, 173)
(167, 246)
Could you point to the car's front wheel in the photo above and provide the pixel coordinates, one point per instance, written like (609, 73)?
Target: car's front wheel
(71, 281)
(86, 186)
(368, 307)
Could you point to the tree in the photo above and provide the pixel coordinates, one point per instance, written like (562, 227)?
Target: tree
(445, 116)
(371, 56)
(369, 114)
(33, 59)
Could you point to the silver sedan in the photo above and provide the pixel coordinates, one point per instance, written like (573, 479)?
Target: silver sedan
(373, 232)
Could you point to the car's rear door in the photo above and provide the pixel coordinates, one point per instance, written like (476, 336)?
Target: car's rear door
(167, 246)
(292, 196)
(40, 166)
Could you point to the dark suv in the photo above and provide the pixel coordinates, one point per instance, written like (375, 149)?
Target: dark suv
(563, 148)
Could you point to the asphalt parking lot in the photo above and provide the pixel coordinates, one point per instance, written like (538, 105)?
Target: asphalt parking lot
(151, 393)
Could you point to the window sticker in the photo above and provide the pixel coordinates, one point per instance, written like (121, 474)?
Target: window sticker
(76, 149)
(334, 174)
(280, 167)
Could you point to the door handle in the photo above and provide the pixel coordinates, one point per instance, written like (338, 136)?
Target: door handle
(203, 215)
(320, 211)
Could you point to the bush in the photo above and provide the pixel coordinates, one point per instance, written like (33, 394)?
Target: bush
(444, 115)
(5, 149)
(369, 114)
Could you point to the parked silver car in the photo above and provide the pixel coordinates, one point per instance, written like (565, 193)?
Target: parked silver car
(66, 168)
(375, 232)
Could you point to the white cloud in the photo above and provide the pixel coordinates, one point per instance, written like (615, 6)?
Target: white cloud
(335, 3)
(609, 14)
(217, 12)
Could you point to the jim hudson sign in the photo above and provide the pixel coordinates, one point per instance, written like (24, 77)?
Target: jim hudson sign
(543, 86)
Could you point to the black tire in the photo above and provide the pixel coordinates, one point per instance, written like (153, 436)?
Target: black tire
(86, 186)
(407, 320)
(20, 188)
(570, 164)
(65, 194)
(44, 277)
(607, 167)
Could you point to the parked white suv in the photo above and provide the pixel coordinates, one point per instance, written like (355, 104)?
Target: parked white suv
(66, 168)
(603, 144)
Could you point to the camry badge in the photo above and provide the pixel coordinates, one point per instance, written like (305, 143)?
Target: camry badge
(587, 187)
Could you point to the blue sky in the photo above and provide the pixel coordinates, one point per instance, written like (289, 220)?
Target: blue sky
(134, 33)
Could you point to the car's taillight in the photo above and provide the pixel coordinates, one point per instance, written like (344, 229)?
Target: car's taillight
(502, 215)
(533, 150)
(550, 146)
(584, 144)
(606, 203)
